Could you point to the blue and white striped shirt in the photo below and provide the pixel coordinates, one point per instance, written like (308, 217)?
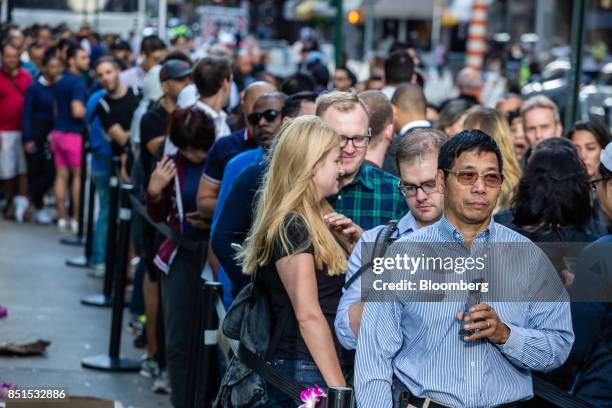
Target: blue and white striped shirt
(406, 225)
(419, 341)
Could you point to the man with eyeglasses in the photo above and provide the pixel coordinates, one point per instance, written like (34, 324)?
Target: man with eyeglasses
(417, 161)
(369, 196)
(440, 355)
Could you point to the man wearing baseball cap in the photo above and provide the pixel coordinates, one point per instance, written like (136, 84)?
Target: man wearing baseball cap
(174, 75)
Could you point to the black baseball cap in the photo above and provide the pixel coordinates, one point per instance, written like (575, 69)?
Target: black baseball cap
(120, 44)
(174, 69)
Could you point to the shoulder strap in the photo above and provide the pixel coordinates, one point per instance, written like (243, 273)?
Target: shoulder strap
(382, 243)
(272, 376)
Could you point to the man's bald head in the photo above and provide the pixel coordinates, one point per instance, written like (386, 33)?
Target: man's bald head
(252, 92)
(409, 104)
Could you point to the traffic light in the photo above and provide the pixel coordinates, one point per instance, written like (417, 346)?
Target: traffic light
(354, 17)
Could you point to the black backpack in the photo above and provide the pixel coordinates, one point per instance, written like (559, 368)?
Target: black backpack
(248, 321)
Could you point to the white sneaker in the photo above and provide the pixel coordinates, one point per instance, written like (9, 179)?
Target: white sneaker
(21, 206)
(97, 271)
(74, 226)
(62, 225)
(161, 385)
(43, 217)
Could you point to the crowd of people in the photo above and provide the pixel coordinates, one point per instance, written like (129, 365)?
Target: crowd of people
(281, 182)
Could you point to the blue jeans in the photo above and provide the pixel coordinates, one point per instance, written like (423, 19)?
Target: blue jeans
(304, 372)
(101, 183)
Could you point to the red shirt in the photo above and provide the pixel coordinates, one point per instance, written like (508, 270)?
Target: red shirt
(12, 93)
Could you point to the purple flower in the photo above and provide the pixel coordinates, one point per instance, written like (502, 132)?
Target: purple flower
(311, 396)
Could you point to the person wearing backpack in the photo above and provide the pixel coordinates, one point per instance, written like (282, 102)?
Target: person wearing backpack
(417, 162)
(297, 260)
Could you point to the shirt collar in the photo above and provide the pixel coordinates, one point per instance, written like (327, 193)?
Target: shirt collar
(43, 81)
(415, 124)
(210, 111)
(364, 177)
(450, 233)
(407, 224)
(247, 134)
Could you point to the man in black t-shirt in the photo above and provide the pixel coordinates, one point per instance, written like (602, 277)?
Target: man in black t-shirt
(174, 76)
(116, 109)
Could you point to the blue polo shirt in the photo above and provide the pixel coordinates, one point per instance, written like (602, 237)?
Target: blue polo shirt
(69, 88)
(225, 149)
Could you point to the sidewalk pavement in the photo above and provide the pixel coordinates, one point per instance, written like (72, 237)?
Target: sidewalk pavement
(43, 300)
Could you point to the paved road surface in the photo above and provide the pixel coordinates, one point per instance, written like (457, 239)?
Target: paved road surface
(43, 298)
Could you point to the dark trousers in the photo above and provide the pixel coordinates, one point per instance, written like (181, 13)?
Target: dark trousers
(178, 299)
(41, 170)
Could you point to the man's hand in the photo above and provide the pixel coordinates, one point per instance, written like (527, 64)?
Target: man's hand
(343, 225)
(197, 221)
(30, 147)
(162, 176)
(484, 318)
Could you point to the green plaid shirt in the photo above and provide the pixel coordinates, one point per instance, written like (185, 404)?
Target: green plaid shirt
(372, 198)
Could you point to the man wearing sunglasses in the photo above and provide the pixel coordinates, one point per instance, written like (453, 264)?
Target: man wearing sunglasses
(265, 119)
(225, 149)
(440, 355)
(417, 161)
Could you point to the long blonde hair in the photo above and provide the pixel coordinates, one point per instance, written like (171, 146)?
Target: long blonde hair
(493, 124)
(288, 188)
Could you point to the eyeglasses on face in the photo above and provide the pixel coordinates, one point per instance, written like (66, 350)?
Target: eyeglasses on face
(469, 177)
(269, 115)
(358, 141)
(411, 190)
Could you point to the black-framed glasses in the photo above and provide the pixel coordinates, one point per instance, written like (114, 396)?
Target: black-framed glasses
(595, 182)
(469, 177)
(269, 115)
(410, 190)
(358, 141)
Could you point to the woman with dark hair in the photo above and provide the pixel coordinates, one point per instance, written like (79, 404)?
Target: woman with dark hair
(552, 201)
(590, 138)
(171, 198)
(587, 373)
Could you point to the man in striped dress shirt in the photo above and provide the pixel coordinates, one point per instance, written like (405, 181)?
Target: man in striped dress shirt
(419, 342)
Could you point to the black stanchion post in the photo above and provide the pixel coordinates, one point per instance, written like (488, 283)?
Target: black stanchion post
(339, 397)
(78, 239)
(113, 361)
(203, 373)
(104, 299)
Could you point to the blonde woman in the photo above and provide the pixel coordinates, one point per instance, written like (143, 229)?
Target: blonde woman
(297, 260)
(495, 125)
